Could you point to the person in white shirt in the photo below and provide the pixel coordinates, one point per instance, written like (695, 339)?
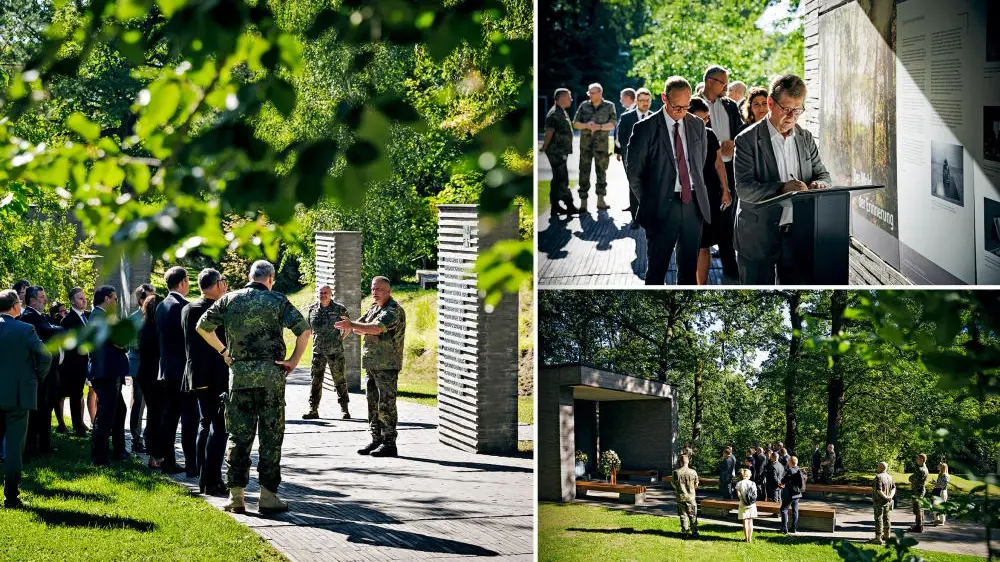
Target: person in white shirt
(774, 156)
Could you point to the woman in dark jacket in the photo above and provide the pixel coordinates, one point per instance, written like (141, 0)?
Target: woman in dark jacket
(792, 484)
(146, 378)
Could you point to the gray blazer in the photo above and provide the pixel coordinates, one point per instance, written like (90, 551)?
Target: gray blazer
(652, 172)
(26, 362)
(757, 179)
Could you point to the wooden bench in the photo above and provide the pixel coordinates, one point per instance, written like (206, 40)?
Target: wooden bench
(811, 517)
(427, 278)
(842, 489)
(701, 481)
(627, 493)
(639, 474)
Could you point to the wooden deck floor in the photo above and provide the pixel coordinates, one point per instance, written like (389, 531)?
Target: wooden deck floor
(597, 248)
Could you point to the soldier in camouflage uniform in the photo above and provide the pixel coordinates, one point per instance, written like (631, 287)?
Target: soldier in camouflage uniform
(828, 464)
(557, 146)
(918, 489)
(254, 317)
(685, 483)
(328, 348)
(595, 119)
(883, 490)
(383, 325)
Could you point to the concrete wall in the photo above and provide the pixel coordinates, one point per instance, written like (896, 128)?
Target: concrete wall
(585, 423)
(556, 436)
(338, 264)
(641, 432)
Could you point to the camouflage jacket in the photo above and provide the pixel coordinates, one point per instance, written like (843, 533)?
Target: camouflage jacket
(384, 351)
(602, 114)
(557, 121)
(882, 483)
(685, 482)
(254, 318)
(326, 338)
(918, 481)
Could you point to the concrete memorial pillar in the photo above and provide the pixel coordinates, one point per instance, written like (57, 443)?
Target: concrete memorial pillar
(338, 264)
(477, 350)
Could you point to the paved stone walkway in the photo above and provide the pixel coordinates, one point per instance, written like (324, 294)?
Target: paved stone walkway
(432, 502)
(596, 248)
(855, 521)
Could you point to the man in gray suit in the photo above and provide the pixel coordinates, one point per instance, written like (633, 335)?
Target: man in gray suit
(666, 157)
(26, 363)
(774, 156)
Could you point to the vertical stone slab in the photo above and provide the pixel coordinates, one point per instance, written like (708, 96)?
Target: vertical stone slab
(556, 438)
(477, 349)
(338, 264)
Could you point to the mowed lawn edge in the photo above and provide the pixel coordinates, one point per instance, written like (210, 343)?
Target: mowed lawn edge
(581, 532)
(125, 512)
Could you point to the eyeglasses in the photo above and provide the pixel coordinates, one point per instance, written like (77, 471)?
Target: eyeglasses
(678, 107)
(724, 84)
(790, 111)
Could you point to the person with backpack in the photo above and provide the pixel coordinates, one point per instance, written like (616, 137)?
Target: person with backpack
(793, 483)
(746, 491)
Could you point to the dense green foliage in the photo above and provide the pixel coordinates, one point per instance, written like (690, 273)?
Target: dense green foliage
(633, 43)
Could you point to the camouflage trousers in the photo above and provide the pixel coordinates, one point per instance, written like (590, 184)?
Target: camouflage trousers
(337, 372)
(381, 393)
(247, 410)
(559, 188)
(600, 157)
(918, 512)
(883, 527)
(688, 512)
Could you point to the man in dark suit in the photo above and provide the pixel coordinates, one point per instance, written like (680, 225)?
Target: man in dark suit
(177, 401)
(774, 156)
(26, 363)
(207, 374)
(643, 99)
(108, 368)
(39, 440)
(666, 159)
(727, 123)
(73, 371)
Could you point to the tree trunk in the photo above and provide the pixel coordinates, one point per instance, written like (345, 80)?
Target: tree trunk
(835, 386)
(791, 424)
(696, 425)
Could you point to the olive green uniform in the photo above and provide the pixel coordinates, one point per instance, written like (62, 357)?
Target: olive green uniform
(882, 483)
(328, 349)
(558, 151)
(254, 318)
(685, 483)
(382, 358)
(826, 469)
(594, 145)
(918, 489)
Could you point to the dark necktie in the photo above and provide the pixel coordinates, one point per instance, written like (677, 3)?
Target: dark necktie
(682, 167)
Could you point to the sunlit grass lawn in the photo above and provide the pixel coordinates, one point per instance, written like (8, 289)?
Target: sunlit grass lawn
(418, 378)
(958, 487)
(126, 512)
(582, 532)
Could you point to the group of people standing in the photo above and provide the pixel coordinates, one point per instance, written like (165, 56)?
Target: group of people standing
(769, 473)
(697, 170)
(216, 366)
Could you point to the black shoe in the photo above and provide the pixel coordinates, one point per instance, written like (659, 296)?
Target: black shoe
(192, 474)
(367, 450)
(172, 468)
(218, 490)
(695, 535)
(346, 416)
(385, 450)
(310, 415)
(138, 447)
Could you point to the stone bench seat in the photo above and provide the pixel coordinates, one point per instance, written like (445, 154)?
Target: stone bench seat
(811, 517)
(627, 493)
(847, 490)
(650, 475)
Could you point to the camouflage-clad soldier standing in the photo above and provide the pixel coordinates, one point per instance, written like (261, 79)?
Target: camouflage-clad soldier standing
(918, 489)
(557, 146)
(595, 120)
(826, 468)
(254, 318)
(883, 490)
(685, 483)
(384, 326)
(328, 348)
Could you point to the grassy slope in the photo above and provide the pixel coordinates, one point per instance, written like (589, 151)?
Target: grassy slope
(582, 532)
(78, 512)
(418, 379)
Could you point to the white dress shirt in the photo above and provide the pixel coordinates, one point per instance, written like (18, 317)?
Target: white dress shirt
(720, 122)
(786, 153)
(684, 143)
(81, 315)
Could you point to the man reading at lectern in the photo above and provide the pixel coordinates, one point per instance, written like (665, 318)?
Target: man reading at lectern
(774, 156)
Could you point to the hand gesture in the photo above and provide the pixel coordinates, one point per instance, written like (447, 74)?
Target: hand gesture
(793, 185)
(818, 185)
(344, 332)
(344, 323)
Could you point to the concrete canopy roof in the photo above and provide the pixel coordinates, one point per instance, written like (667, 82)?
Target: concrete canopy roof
(590, 383)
